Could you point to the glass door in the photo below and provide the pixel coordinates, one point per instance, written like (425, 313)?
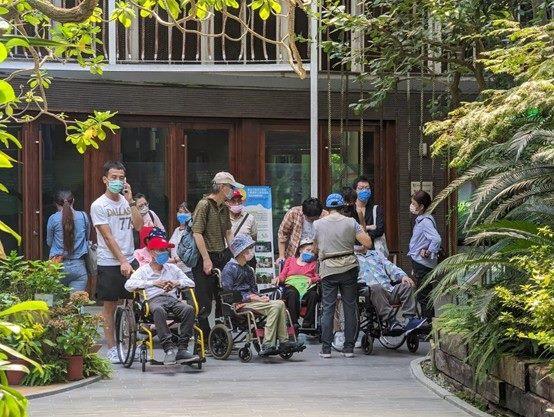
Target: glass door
(207, 154)
(351, 156)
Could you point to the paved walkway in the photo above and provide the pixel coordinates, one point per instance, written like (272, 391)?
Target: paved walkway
(377, 385)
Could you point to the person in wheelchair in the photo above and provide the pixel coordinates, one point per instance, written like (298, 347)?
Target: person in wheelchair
(161, 279)
(387, 284)
(300, 278)
(237, 276)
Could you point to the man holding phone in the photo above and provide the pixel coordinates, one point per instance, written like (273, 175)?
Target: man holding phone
(114, 214)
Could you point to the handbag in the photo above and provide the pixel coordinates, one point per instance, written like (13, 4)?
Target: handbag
(91, 256)
(380, 243)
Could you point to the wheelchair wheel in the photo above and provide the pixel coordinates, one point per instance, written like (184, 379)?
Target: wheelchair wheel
(245, 354)
(220, 342)
(367, 344)
(126, 335)
(392, 342)
(143, 359)
(412, 342)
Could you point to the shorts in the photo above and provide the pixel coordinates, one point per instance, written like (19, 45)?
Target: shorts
(110, 285)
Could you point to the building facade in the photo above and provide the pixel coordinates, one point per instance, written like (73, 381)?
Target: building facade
(179, 124)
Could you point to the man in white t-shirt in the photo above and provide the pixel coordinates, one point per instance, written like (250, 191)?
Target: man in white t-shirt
(114, 216)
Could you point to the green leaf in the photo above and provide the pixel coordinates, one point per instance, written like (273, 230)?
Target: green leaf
(3, 188)
(25, 306)
(7, 229)
(3, 52)
(276, 6)
(265, 11)
(12, 43)
(7, 94)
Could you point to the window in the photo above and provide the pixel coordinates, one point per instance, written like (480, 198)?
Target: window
(143, 153)
(346, 158)
(207, 154)
(11, 203)
(62, 169)
(287, 171)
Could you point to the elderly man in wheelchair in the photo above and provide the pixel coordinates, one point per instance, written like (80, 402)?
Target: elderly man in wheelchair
(385, 284)
(161, 281)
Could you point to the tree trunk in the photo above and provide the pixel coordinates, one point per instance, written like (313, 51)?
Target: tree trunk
(455, 90)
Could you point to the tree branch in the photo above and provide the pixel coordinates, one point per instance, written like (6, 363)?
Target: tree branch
(75, 14)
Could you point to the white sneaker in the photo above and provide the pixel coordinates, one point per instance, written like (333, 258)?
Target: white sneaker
(338, 341)
(359, 341)
(112, 355)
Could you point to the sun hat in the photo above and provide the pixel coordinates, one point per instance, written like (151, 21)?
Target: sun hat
(240, 243)
(226, 178)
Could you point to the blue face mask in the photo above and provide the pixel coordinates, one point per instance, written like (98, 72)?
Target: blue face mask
(364, 195)
(162, 258)
(182, 218)
(115, 186)
(307, 257)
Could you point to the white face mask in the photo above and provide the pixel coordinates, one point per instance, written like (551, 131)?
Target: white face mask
(413, 209)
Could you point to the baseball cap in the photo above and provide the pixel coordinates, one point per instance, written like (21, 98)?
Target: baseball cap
(157, 243)
(226, 178)
(335, 201)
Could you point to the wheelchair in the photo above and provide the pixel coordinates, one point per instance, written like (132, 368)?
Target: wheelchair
(373, 328)
(135, 329)
(240, 327)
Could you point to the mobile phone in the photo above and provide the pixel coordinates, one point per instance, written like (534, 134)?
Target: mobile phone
(124, 184)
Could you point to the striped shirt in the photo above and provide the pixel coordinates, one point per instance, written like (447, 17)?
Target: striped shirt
(212, 222)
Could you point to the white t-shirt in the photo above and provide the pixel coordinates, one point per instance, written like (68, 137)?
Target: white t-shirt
(117, 215)
(308, 231)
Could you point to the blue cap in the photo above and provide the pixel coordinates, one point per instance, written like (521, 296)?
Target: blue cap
(240, 243)
(334, 200)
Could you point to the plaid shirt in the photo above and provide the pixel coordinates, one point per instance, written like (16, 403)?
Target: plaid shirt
(290, 230)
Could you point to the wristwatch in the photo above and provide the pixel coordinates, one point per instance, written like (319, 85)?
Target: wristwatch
(132, 203)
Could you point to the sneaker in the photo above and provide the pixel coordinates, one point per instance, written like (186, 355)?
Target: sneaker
(112, 355)
(325, 354)
(358, 343)
(169, 358)
(347, 353)
(184, 356)
(414, 324)
(338, 341)
(267, 350)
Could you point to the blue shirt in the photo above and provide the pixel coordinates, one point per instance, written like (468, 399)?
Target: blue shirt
(235, 277)
(425, 236)
(54, 235)
(376, 269)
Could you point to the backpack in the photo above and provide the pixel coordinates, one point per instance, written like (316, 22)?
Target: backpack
(186, 249)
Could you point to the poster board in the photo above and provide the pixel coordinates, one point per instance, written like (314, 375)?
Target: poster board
(259, 205)
(423, 185)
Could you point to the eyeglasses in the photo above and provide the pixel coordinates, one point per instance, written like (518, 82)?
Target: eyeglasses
(143, 205)
(362, 188)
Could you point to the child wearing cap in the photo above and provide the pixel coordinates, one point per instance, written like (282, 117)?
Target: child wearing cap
(299, 275)
(160, 279)
(238, 276)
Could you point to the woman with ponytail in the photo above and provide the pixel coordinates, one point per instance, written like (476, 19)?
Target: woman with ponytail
(66, 234)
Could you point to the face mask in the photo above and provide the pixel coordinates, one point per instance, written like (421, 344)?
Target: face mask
(162, 258)
(144, 210)
(249, 255)
(413, 209)
(229, 195)
(236, 209)
(115, 186)
(182, 218)
(307, 257)
(364, 195)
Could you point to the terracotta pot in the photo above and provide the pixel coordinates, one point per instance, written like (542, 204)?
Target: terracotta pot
(15, 377)
(74, 368)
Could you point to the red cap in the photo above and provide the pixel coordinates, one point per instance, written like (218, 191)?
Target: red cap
(143, 234)
(159, 243)
(237, 194)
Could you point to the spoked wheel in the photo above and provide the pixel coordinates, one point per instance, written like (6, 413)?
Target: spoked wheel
(245, 354)
(392, 342)
(367, 344)
(412, 342)
(125, 335)
(286, 355)
(220, 342)
(143, 358)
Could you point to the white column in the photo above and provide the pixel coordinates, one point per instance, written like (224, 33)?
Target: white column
(112, 35)
(313, 100)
